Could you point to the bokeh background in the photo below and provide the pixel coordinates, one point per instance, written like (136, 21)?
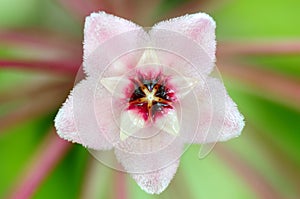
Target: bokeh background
(258, 54)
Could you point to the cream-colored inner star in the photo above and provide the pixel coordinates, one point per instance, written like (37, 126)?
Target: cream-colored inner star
(130, 121)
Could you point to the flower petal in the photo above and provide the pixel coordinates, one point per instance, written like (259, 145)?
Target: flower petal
(168, 122)
(106, 37)
(199, 27)
(149, 57)
(131, 122)
(183, 85)
(100, 27)
(190, 38)
(117, 86)
(142, 153)
(76, 120)
(220, 119)
(65, 123)
(157, 181)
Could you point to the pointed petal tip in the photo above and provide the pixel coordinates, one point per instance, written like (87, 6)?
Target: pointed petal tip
(172, 129)
(149, 57)
(64, 122)
(110, 83)
(233, 124)
(123, 135)
(169, 123)
(184, 85)
(157, 181)
(238, 124)
(131, 123)
(233, 119)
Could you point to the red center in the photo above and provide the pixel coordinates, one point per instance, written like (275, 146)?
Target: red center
(151, 98)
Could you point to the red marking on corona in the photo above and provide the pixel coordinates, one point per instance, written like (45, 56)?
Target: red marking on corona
(151, 97)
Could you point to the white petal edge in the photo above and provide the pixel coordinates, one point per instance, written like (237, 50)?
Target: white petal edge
(157, 181)
(106, 37)
(100, 27)
(65, 123)
(75, 121)
(219, 115)
(199, 27)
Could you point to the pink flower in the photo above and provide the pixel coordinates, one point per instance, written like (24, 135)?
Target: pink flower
(148, 93)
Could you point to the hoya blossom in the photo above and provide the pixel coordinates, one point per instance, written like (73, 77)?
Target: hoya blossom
(147, 94)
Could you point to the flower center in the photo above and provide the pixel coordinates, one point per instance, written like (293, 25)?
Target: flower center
(151, 98)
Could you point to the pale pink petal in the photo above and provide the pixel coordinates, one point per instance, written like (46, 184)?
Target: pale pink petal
(77, 120)
(190, 38)
(199, 27)
(106, 38)
(143, 152)
(157, 181)
(65, 123)
(105, 107)
(219, 118)
(100, 27)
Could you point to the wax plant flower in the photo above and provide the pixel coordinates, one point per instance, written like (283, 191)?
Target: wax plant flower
(147, 94)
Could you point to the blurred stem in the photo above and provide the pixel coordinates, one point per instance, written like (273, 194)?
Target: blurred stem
(46, 158)
(77, 7)
(283, 88)
(97, 180)
(259, 48)
(282, 161)
(250, 176)
(34, 107)
(40, 39)
(33, 88)
(121, 185)
(171, 8)
(61, 67)
(180, 186)
(80, 9)
(144, 14)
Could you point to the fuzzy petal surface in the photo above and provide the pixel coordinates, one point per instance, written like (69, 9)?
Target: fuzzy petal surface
(106, 37)
(190, 37)
(76, 120)
(147, 154)
(157, 181)
(219, 117)
(65, 123)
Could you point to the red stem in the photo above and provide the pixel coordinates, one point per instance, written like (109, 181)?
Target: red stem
(78, 7)
(121, 192)
(33, 88)
(191, 6)
(47, 157)
(65, 67)
(259, 48)
(40, 38)
(33, 107)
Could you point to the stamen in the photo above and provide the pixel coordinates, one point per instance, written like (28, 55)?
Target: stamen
(150, 98)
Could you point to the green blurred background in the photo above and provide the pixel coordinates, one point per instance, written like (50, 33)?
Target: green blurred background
(258, 55)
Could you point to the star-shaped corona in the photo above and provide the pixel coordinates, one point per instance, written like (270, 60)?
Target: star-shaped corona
(151, 96)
